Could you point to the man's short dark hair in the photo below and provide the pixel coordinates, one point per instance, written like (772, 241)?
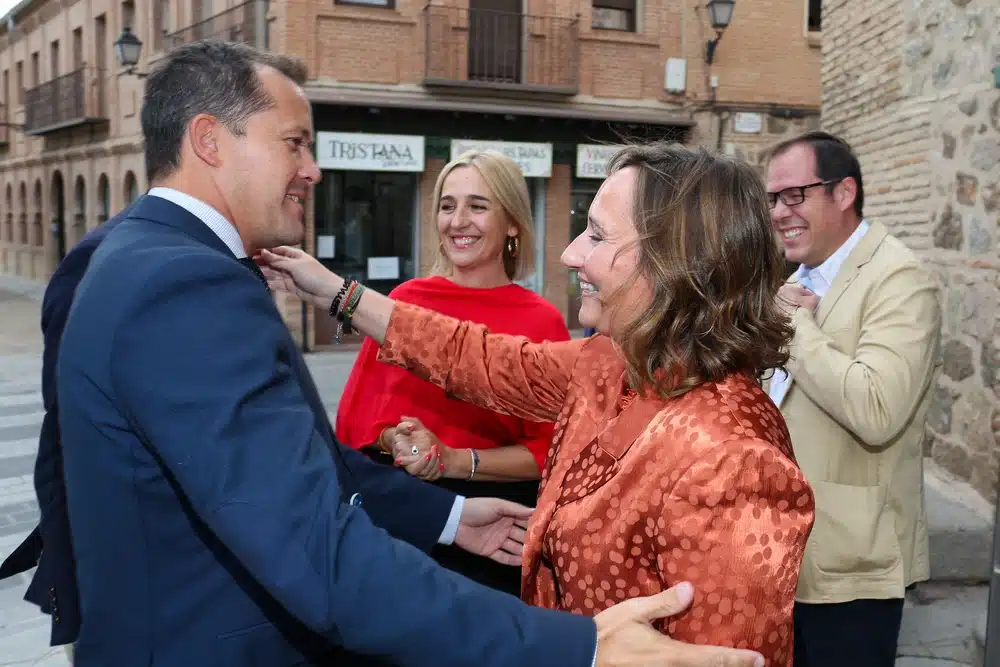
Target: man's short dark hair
(835, 161)
(206, 77)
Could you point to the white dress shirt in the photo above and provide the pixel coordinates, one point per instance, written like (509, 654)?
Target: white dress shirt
(227, 234)
(817, 280)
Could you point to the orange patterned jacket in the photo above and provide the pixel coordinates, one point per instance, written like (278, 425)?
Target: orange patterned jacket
(638, 495)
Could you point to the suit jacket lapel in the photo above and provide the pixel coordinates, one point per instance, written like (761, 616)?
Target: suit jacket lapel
(599, 461)
(858, 257)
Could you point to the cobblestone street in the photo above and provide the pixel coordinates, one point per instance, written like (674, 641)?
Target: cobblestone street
(938, 619)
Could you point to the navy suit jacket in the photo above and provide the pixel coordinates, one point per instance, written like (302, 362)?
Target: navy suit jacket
(53, 586)
(210, 522)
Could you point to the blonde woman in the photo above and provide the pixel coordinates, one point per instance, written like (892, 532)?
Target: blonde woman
(483, 220)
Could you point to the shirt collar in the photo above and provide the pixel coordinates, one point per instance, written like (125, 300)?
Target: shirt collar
(828, 270)
(212, 218)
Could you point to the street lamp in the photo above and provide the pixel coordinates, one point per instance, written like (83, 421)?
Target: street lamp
(127, 49)
(720, 13)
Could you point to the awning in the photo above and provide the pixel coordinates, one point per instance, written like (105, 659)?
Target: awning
(420, 99)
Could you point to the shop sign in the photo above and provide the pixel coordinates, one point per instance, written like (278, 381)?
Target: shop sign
(369, 152)
(535, 160)
(748, 123)
(592, 160)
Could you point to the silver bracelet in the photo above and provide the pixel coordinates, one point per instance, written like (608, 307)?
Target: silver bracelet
(475, 463)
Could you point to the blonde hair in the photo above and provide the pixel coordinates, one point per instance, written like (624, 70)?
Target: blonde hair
(505, 179)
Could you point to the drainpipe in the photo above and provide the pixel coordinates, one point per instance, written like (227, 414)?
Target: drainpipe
(260, 24)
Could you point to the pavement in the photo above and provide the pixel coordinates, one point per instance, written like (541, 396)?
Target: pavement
(939, 619)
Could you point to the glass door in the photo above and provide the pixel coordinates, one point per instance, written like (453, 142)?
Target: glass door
(364, 232)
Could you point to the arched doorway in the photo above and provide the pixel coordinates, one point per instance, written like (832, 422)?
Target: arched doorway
(131, 188)
(59, 215)
(37, 233)
(8, 222)
(103, 199)
(22, 222)
(80, 214)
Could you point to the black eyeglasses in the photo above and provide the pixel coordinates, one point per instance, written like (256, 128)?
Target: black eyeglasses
(795, 195)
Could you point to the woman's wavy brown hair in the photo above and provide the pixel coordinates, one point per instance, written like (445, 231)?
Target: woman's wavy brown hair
(706, 247)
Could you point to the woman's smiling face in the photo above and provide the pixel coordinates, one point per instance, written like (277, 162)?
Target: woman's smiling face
(472, 224)
(605, 256)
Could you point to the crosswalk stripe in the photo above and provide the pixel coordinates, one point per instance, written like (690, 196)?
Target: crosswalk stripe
(24, 419)
(26, 398)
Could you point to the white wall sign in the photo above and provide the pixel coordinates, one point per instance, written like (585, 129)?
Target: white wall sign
(369, 152)
(383, 268)
(535, 160)
(326, 246)
(748, 123)
(592, 160)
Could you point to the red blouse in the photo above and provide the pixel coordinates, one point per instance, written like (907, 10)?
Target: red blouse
(377, 395)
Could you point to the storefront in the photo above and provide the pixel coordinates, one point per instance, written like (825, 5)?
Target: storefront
(373, 218)
(367, 210)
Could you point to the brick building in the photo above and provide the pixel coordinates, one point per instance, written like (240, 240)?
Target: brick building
(398, 88)
(914, 88)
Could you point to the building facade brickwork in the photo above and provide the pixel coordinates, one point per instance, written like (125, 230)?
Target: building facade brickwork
(912, 86)
(555, 76)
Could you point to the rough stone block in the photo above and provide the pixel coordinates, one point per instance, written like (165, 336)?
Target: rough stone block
(957, 357)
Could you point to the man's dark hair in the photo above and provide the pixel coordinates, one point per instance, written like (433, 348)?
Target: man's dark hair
(207, 77)
(835, 161)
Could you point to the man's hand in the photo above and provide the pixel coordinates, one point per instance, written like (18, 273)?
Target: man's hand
(493, 528)
(625, 637)
(792, 296)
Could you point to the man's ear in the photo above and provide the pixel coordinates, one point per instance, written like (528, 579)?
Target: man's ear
(202, 136)
(845, 194)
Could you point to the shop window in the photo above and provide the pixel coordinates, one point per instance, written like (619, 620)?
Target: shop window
(814, 15)
(614, 15)
(364, 225)
(365, 231)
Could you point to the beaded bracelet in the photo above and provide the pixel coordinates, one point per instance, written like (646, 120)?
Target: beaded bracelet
(335, 306)
(348, 305)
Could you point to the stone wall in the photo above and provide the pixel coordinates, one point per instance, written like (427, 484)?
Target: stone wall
(909, 84)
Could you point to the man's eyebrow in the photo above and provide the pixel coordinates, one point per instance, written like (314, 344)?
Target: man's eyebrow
(595, 223)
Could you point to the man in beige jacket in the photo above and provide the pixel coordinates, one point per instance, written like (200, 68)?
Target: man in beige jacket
(864, 357)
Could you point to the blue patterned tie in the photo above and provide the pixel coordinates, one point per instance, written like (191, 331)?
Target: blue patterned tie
(806, 282)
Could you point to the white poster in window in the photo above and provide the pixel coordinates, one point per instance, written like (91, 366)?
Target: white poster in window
(326, 247)
(535, 160)
(383, 268)
(369, 152)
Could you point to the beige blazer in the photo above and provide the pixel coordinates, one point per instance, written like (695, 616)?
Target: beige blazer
(862, 368)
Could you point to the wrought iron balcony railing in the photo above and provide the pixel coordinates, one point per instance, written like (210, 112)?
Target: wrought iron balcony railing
(69, 100)
(478, 48)
(242, 23)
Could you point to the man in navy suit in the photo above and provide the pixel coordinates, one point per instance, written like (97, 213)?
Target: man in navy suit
(214, 519)
(53, 586)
